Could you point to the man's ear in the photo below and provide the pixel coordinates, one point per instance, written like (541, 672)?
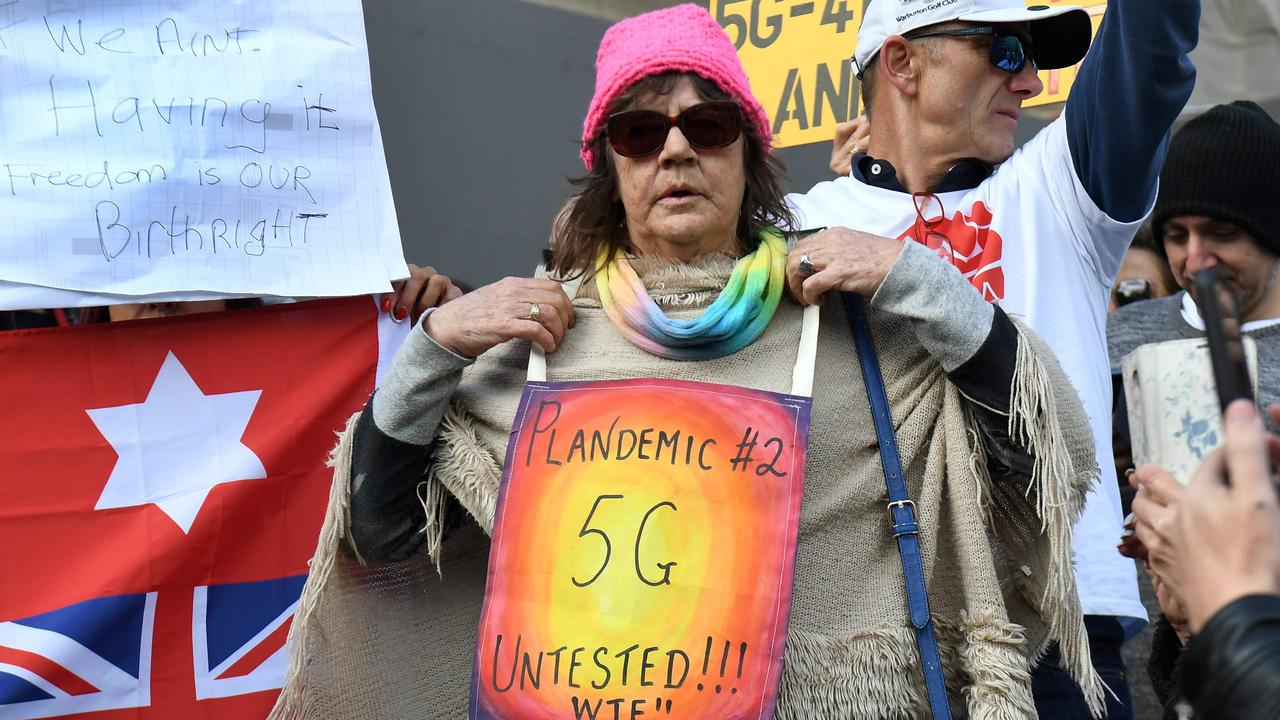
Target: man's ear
(899, 65)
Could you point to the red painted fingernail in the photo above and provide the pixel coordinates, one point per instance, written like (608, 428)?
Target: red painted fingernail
(402, 313)
(386, 305)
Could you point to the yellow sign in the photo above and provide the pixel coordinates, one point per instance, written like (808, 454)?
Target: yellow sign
(797, 56)
(1057, 83)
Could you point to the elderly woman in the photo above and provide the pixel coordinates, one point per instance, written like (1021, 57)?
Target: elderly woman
(682, 190)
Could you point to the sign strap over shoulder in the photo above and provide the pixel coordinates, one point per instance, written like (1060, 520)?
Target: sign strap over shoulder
(901, 513)
(538, 356)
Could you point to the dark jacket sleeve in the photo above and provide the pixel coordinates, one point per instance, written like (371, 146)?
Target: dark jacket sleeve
(1232, 668)
(986, 380)
(386, 516)
(391, 450)
(1134, 82)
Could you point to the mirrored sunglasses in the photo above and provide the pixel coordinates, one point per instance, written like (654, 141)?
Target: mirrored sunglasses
(1010, 51)
(707, 126)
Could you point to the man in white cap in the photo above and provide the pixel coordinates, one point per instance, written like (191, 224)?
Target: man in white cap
(1040, 231)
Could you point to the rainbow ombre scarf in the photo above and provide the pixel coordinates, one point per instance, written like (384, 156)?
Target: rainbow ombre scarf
(733, 321)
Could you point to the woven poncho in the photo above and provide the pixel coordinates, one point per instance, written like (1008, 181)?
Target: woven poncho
(398, 640)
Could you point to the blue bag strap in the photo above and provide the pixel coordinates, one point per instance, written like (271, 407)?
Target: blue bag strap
(901, 512)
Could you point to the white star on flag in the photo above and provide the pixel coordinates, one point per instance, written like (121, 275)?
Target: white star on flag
(177, 445)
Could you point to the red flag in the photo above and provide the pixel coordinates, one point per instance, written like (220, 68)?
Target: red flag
(162, 484)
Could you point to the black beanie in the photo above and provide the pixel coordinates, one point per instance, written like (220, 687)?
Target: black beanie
(1225, 165)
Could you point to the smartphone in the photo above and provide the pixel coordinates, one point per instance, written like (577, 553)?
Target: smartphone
(1221, 312)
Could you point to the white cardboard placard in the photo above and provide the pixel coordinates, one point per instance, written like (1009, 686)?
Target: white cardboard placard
(180, 148)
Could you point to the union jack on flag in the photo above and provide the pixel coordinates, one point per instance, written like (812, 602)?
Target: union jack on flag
(162, 485)
(93, 655)
(238, 633)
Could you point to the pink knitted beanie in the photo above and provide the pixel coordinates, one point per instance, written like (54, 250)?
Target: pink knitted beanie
(683, 38)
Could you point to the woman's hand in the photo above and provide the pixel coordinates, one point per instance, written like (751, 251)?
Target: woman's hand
(851, 137)
(503, 311)
(841, 259)
(1155, 522)
(1218, 539)
(425, 288)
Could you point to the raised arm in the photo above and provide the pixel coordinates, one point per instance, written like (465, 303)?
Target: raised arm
(1132, 85)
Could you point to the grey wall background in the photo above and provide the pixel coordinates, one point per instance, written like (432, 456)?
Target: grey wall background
(481, 104)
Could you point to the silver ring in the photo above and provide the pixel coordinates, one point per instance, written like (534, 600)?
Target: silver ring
(806, 265)
(535, 313)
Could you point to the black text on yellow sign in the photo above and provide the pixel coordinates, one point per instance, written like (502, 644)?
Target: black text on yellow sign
(797, 56)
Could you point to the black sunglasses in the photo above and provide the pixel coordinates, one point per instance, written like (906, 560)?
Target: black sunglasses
(707, 126)
(1010, 51)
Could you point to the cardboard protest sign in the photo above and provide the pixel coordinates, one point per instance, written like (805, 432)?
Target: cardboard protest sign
(797, 56)
(643, 553)
(164, 148)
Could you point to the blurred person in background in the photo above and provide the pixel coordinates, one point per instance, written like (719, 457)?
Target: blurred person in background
(1213, 211)
(1144, 273)
(1217, 208)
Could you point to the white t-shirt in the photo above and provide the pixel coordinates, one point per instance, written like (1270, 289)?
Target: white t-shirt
(1032, 240)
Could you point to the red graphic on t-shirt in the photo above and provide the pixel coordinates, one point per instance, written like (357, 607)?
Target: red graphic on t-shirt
(969, 243)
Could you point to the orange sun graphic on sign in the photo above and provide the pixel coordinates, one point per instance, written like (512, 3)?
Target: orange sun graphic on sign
(643, 553)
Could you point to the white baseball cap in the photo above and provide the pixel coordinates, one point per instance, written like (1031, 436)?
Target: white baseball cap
(1060, 33)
